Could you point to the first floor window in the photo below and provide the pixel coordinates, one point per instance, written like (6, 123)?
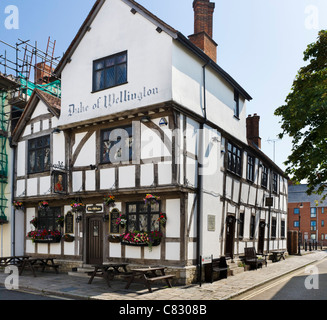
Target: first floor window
(252, 227)
(116, 145)
(296, 224)
(273, 227)
(241, 225)
(143, 217)
(234, 163)
(264, 176)
(39, 154)
(275, 182)
(313, 225)
(47, 218)
(282, 229)
(250, 168)
(296, 211)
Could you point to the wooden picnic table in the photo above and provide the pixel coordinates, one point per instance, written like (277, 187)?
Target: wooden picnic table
(277, 255)
(12, 260)
(42, 262)
(149, 275)
(108, 271)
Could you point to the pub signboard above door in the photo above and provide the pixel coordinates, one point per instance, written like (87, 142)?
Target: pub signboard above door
(94, 208)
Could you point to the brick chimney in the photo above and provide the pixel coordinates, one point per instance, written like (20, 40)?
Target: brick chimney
(203, 21)
(42, 73)
(252, 130)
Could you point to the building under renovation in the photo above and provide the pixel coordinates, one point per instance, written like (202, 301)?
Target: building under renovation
(23, 68)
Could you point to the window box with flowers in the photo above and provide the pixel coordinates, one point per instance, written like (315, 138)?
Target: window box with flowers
(68, 238)
(45, 236)
(114, 238)
(142, 239)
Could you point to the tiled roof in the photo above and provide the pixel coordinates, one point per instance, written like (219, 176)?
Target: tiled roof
(297, 193)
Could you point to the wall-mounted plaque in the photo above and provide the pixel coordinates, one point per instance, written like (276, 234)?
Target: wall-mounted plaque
(211, 222)
(114, 215)
(69, 223)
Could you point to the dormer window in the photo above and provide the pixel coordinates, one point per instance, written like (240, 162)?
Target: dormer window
(110, 71)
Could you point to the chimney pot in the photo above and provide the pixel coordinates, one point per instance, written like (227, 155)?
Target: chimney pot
(203, 23)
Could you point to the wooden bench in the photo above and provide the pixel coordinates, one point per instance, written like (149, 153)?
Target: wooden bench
(13, 260)
(216, 265)
(149, 275)
(277, 255)
(251, 258)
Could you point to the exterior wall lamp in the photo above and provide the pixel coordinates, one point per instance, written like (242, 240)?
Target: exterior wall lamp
(79, 219)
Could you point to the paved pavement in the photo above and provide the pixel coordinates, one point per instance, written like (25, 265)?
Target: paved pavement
(78, 287)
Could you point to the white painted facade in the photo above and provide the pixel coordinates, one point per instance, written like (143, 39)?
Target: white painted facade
(164, 81)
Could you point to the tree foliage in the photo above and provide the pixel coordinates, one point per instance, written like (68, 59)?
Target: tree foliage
(304, 119)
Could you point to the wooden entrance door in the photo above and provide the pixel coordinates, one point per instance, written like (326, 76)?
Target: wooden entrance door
(261, 240)
(230, 231)
(94, 241)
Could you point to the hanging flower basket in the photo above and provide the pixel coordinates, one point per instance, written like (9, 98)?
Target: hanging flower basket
(162, 219)
(109, 201)
(18, 205)
(77, 206)
(151, 199)
(45, 236)
(122, 220)
(60, 220)
(69, 238)
(43, 205)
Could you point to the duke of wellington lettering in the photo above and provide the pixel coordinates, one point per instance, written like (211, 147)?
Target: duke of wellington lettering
(136, 164)
(108, 101)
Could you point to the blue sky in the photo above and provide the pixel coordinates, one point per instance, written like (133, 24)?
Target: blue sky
(260, 43)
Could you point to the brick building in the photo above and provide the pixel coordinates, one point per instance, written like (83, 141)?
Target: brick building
(307, 214)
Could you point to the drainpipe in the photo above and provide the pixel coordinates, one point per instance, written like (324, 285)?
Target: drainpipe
(199, 177)
(13, 220)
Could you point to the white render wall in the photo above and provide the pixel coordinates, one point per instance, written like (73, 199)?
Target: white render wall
(114, 30)
(187, 86)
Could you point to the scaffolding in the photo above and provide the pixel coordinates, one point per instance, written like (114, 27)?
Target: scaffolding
(18, 64)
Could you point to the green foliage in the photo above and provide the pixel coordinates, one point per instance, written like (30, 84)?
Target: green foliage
(304, 118)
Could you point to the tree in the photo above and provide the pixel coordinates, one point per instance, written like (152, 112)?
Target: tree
(304, 119)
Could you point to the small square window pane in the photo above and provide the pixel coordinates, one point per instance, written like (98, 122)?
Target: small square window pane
(121, 59)
(110, 62)
(98, 65)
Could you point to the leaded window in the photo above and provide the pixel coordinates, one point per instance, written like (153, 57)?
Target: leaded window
(110, 71)
(116, 145)
(39, 154)
(143, 217)
(234, 163)
(47, 218)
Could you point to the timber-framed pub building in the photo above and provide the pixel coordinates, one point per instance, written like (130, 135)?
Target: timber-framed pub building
(145, 111)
